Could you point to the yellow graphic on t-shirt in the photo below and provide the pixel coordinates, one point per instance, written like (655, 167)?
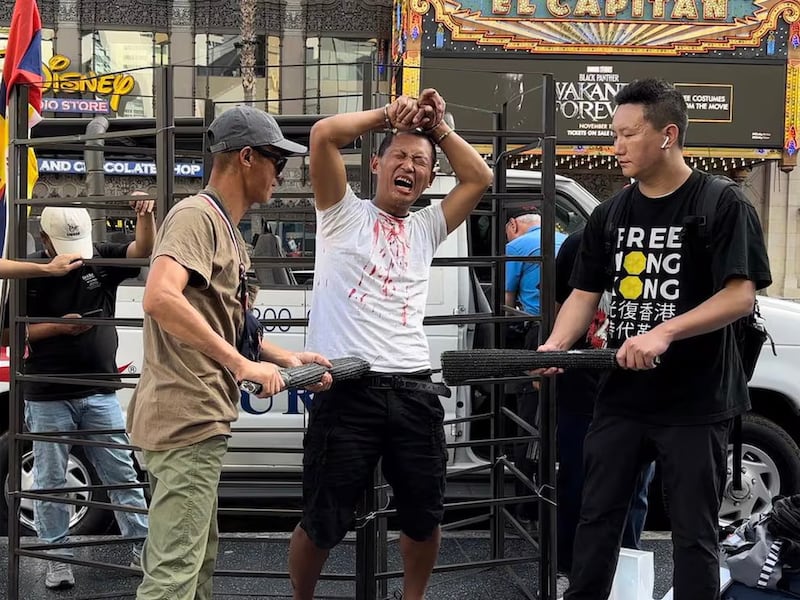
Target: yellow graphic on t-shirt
(647, 279)
(634, 263)
(631, 287)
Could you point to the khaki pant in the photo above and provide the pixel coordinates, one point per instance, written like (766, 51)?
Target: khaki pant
(181, 547)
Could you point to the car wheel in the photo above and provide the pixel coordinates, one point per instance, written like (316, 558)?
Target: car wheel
(770, 467)
(83, 520)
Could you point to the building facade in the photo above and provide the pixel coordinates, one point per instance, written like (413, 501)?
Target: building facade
(99, 57)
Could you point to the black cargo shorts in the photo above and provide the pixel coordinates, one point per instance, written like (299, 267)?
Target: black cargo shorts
(352, 426)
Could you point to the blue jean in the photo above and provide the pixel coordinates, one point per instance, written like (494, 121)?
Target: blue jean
(114, 466)
(572, 429)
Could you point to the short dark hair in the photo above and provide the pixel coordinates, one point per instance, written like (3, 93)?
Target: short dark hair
(662, 103)
(390, 136)
(222, 161)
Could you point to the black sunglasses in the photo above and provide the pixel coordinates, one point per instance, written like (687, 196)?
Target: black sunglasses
(278, 159)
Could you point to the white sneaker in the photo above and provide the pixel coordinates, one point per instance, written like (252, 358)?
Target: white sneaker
(59, 576)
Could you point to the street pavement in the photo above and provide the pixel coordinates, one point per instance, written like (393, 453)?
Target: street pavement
(268, 553)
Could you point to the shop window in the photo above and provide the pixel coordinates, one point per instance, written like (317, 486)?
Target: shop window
(274, 74)
(131, 53)
(48, 42)
(219, 76)
(335, 73)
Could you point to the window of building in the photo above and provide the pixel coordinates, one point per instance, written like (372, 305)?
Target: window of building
(130, 53)
(48, 42)
(273, 74)
(219, 76)
(335, 73)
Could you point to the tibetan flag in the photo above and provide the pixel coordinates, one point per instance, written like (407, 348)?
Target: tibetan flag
(22, 66)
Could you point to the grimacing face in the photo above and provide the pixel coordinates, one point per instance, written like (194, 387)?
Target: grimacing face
(404, 172)
(637, 143)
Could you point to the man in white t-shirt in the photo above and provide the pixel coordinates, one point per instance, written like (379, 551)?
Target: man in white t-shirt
(370, 290)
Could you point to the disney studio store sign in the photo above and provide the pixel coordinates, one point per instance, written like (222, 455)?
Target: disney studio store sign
(725, 100)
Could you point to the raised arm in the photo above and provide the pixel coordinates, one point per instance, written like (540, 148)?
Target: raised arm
(142, 245)
(473, 174)
(328, 175)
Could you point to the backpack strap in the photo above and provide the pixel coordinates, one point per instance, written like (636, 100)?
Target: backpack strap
(702, 223)
(714, 187)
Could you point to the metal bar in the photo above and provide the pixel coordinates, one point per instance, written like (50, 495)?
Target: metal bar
(275, 512)
(129, 150)
(78, 502)
(209, 112)
(88, 488)
(220, 573)
(121, 321)
(16, 186)
(492, 441)
(122, 201)
(470, 471)
(520, 421)
(511, 468)
(506, 133)
(465, 504)
(512, 519)
(78, 432)
(472, 318)
(366, 536)
(497, 478)
(75, 381)
(82, 137)
(484, 260)
(483, 564)
(165, 140)
(81, 544)
(469, 419)
(34, 437)
(464, 522)
(260, 484)
(547, 412)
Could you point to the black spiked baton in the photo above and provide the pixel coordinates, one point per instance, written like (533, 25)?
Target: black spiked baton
(459, 366)
(348, 367)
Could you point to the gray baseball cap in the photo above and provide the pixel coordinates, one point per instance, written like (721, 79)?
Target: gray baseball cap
(242, 126)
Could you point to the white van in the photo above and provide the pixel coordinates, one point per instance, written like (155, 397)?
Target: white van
(771, 456)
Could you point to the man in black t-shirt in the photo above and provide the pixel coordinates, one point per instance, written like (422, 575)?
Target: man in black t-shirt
(681, 382)
(65, 348)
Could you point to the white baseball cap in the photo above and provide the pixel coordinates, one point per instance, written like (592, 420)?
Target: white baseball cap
(70, 230)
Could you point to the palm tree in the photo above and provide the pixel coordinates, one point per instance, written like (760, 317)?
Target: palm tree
(248, 54)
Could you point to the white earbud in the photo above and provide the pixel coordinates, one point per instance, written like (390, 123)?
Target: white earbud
(666, 141)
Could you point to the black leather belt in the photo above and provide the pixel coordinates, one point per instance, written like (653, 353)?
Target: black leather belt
(399, 382)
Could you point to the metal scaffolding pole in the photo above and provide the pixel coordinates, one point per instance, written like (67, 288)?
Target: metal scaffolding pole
(547, 412)
(16, 186)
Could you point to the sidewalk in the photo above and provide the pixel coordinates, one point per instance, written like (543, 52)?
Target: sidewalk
(268, 552)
